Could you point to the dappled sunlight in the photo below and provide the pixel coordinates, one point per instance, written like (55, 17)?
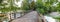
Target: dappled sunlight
(55, 4)
(18, 3)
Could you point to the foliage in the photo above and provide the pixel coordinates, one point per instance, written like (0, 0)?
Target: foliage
(58, 18)
(25, 5)
(10, 8)
(46, 6)
(41, 7)
(1, 1)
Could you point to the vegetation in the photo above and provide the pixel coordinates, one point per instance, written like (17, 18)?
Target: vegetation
(45, 7)
(42, 7)
(5, 9)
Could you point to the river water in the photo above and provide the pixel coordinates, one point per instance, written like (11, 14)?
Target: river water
(49, 19)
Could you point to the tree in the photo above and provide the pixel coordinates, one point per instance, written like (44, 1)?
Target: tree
(45, 7)
(32, 6)
(1, 1)
(10, 8)
(58, 10)
(25, 5)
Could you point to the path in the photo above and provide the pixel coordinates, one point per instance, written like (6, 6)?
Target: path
(30, 17)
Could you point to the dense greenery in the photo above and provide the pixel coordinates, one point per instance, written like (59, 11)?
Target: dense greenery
(10, 8)
(4, 9)
(1, 1)
(25, 5)
(43, 7)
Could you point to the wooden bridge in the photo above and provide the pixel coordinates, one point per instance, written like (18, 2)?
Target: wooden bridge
(29, 17)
